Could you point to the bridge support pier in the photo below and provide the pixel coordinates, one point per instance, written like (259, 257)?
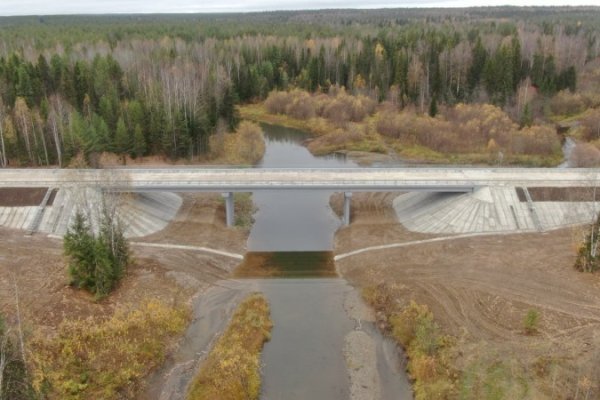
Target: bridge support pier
(347, 199)
(229, 211)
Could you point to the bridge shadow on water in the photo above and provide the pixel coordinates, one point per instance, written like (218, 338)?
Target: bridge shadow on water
(287, 264)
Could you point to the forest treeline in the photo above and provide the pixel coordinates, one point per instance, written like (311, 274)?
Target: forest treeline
(163, 85)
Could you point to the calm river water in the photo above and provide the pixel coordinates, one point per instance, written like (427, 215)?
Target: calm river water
(291, 242)
(304, 358)
(293, 220)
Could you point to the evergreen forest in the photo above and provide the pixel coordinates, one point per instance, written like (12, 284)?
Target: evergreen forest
(72, 87)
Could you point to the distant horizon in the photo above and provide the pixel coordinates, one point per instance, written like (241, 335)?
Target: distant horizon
(9, 8)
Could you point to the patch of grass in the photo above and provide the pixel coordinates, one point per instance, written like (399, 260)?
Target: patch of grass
(232, 369)
(493, 380)
(531, 322)
(419, 153)
(244, 210)
(105, 359)
(423, 154)
(259, 113)
(342, 140)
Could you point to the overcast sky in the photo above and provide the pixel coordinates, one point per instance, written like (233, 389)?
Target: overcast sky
(45, 7)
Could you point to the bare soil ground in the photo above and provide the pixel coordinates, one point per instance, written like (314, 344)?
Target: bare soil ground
(23, 197)
(201, 222)
(480, 289)
(373, 222)
(559, 194)
(35, 264)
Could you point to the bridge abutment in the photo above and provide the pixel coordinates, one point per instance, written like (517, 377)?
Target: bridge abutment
(229, 210)
(347, 201)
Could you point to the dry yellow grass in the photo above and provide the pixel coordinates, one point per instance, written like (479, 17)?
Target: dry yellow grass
(232, 369)
(95, 359)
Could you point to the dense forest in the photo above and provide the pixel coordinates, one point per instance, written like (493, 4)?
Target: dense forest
(164, 84)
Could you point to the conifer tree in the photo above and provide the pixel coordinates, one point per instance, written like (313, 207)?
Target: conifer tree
(79, 246)
(433, 108)
(139, 142)
(96, 261)
(122, 139)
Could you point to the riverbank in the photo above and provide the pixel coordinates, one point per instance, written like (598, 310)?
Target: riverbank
(364, 149)
(479, 291)
(462, 137)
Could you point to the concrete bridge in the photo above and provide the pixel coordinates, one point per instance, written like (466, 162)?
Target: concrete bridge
(348, 180)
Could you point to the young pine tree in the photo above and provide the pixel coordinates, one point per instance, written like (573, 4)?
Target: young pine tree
(79, 247)
(96, 262)
(433, 108)
(139, 142)
(588, 259)
(122, 144)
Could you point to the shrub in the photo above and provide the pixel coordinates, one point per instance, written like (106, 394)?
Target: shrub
(427, 348)
(302, 105)
(591, 125)
(584, 155)
(244, 146)
(405, 323)
(468, 129)
(277, 102)
(565, 103)
(105, 359)
(247, 145)
(338, 107)
(540, 140)
(338, 111)
(244, 209)
(531, 322)
(388, 124)
(478, 123)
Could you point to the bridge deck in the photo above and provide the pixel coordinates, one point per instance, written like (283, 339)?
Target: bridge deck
(237, 180)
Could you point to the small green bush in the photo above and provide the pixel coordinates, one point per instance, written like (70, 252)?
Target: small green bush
(531, 322)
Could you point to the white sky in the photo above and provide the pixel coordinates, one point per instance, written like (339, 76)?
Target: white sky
(46, 7)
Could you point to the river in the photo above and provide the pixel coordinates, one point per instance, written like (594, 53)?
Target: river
(304, 358)
(314, 311)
